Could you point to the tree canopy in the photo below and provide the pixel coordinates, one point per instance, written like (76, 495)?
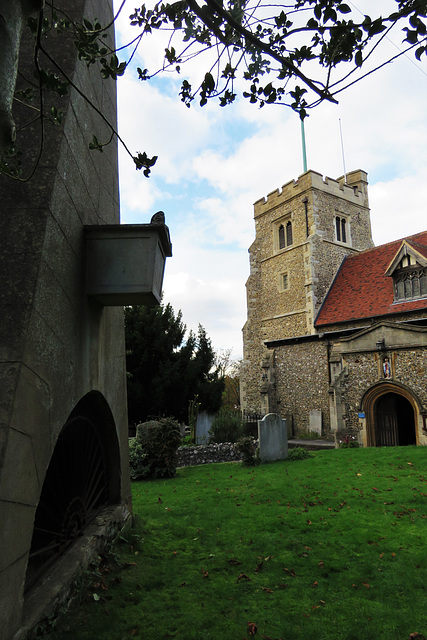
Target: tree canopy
(166, 370)
(297, 53)
(268, 49)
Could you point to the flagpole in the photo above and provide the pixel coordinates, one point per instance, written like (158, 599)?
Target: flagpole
(304, 151)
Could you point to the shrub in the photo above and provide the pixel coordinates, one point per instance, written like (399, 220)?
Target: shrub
(248, 448)
(136, 460)
(347, 440)
(299, 453)
(226, 426)
(154, 451)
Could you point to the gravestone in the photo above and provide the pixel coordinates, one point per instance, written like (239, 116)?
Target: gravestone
(315, 424)
(273, 438)
(204, 423)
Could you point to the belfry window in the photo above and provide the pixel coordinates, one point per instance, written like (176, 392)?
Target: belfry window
(288, 233)
(285, 237)
(282, 241)
(341, 229)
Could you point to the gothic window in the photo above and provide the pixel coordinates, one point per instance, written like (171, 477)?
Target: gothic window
(288, 233)
(341, 229)
(285, 238)
(282, 242)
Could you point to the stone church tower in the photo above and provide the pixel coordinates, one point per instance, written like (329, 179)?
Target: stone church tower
(303, 232)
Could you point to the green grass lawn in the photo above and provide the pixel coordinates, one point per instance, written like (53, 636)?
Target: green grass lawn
(333, 547)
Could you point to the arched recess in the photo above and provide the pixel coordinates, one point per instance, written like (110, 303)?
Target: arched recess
(83, 476)
(398, 404)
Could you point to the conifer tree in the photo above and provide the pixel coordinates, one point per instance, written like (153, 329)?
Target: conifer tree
(166, 369)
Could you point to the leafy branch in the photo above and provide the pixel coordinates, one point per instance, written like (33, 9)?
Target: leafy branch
(297, 54)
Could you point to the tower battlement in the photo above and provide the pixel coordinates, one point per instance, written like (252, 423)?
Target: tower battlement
(352, 187)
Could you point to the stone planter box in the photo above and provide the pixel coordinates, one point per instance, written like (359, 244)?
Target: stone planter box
(125, 263)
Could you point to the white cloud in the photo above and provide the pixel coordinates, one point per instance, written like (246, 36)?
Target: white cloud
(207, 286)
(399, 207)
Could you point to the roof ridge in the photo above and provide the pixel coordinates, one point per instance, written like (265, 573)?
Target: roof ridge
(391, 242)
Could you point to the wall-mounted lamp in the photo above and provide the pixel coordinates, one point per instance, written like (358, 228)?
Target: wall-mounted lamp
(380, 345)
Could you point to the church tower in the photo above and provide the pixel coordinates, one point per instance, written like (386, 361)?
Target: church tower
(303, 232)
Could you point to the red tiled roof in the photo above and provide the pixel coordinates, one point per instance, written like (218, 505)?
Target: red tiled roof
(361, 290)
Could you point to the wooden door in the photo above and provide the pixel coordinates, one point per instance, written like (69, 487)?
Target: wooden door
(386, 424)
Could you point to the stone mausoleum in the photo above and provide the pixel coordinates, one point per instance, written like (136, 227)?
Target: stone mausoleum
(336, 333)
(67, 267)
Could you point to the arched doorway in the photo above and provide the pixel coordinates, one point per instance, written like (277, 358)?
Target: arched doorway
(81, 479)
(394, 421)
(391, 416)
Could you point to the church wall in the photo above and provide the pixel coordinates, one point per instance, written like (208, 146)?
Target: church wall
(274, 300)
(361, 371)
(302, 382)
(411, 370)
(328, 254)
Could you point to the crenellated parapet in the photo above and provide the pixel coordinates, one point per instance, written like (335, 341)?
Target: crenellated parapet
(352, 187)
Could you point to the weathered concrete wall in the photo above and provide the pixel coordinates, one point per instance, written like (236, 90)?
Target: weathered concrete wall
(55, 345)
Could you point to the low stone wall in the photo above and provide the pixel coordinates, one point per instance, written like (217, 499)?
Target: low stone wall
(205, 454)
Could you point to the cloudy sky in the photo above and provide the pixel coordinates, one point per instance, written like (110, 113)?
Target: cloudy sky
(214, 163)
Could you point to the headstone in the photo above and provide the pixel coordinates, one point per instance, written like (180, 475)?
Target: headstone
(204, 423)
(315, 424)
(273, 438)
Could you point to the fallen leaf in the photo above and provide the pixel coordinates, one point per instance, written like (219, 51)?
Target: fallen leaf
(259, 566)
(243, 576)
(234, 562)
(315, 584)
(290, 571)
(252, 629)
(282, 585)
(205, 573)
(267, 589)
(367, 585)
